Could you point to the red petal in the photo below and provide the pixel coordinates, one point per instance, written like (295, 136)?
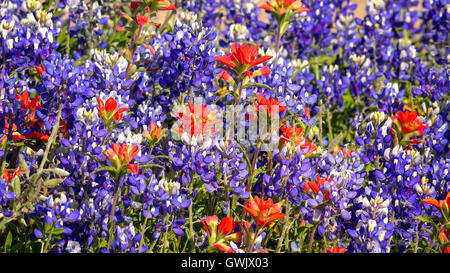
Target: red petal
(260, 60)
(251, 211)
(171, 7)
(432, 201)
(111, 105)
(266, 7)
(225, 61)
(133, 168)
(101, 105)
(227, 225)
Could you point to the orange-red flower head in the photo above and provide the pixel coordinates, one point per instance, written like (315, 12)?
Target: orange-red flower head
(153, 133)
(336, 249)
(39, 69)
(265, 212)
(109, 111)
(443, 205)
(120, 155)
(314, 187)
(225, 233)
(196, 121)
(408, 125)
(295, 136)
(280, 7)
(242, 58)
(9, 177)
(268, 105)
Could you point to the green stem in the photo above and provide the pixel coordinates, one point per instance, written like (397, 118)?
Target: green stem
(320, 123)
(4, 156)
(277, 44)
(285, 227)
(330, 129)
(152, 245)
(311, 239)
(143, 229)
(50, 140)
(47, 242)
(165, 241)
(111, 217)
(191, 223)
(252, 170)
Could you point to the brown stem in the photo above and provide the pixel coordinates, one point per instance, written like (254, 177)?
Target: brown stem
(133, 49)
(277, 45)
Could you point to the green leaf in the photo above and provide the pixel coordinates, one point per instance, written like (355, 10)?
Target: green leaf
(16, 186)
(335, 142)
(93, 157)
(48, 5)
(8, 242)
(162, 156)
(23, 165)
(57, 231)
(258, 171)
(110, 169)
(151, 165)
(53, 182)
(254, 84)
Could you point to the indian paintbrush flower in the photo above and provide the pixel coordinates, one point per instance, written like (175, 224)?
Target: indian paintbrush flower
(109, 111)
(241, 59)
(221, 234)
(120, 157)
(264, 212)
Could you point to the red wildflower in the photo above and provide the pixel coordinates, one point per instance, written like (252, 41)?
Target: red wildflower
(315, 186)
(264, 212)
(135, 5)
(443, 205)
(226, 76)
(28, 104)
(196, 121)
(268, 105)
(242, 58)
(297, 139)
(227, 225)
(120, 156)
(31, 105)
(408, 125)
(119, 28)
(344, 153)
(37, 135)
(224, 247)
(226, 228)
(336, 249)
(211, 222)
(109, 111)
(142, 19)
(153, 133)
(280, 7)
(133, 168)
(9, 177)
(40, 69)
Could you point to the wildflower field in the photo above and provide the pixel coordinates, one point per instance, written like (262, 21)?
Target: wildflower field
(236, 126)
